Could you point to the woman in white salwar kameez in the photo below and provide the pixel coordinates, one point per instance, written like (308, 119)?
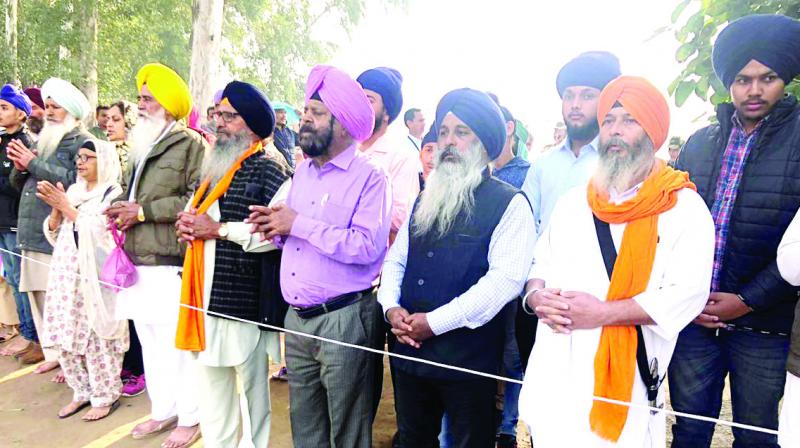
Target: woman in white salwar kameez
(79, 312)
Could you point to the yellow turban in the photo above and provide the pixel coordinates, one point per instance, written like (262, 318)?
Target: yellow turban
(168, 88)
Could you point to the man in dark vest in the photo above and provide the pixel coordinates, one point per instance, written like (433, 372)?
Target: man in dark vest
(236, 175)
(747, 169)
(464, 253)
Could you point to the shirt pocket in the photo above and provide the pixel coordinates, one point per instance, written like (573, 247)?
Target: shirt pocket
(336, 214)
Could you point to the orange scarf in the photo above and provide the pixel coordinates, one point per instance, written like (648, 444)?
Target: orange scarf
(191, 325)
(615, 361)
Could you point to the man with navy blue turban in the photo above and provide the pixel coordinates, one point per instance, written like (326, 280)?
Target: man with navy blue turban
(215, 219)
(464, 253)
(746, 168)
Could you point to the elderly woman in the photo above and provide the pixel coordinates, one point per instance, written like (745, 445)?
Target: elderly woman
(79, 313)
(121, 118)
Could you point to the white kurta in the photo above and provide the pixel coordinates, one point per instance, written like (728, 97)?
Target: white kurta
(556, 397)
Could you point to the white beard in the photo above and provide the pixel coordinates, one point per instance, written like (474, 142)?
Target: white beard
(449, 189)
(51, 135)
(621, 172)
(144, 133)
(224, 154)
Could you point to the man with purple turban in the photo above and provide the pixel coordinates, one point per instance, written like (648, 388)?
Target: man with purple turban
(334, 230)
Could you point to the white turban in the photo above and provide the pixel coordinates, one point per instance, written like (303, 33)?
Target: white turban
(67, 96)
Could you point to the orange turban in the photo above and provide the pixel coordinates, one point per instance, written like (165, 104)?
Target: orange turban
(640, 99)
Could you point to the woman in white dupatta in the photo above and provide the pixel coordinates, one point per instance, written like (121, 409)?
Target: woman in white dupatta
(79, 312)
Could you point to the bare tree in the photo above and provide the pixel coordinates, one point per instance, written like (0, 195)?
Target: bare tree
(205, 45)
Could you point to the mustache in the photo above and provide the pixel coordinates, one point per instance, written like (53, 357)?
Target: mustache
(448, 151)
(307, 128)
(615, 141)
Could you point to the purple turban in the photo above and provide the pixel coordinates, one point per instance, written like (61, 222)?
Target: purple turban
(344, 98)
(35, 95)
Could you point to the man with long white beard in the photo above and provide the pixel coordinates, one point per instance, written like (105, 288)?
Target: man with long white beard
(52, 160)
(165, 163)
(221, 254)
(611, 321)
(463, 254)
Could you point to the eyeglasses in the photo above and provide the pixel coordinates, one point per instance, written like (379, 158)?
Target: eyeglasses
(83, 158)
(227, 117)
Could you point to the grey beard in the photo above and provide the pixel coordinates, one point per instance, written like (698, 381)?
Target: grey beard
(449, 190)
(52, 134)
(224, 154)
(620, 172)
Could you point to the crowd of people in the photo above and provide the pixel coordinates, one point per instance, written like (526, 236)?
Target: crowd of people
(143, 254)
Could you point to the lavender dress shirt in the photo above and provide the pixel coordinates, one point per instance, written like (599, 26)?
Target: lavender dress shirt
(339, 238)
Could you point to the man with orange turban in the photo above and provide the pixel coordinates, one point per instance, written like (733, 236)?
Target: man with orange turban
(624, 265)
(165, 163)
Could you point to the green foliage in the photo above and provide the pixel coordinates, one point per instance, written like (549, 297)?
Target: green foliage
(696, 32)
(266, 42)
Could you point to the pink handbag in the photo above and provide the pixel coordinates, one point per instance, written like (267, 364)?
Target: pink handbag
(118, 270)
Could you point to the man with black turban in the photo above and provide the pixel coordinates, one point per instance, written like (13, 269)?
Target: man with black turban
(746, 169)
(222, 253)
(463, 254)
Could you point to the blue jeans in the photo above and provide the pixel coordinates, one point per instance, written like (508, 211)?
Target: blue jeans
(512, 366)
(757, 367)
(11, 266)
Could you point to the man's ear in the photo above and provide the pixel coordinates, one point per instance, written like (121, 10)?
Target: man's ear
(510, 128)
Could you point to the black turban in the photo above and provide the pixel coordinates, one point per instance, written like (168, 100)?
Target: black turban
(590, 69)
(771, 39)
(252, 105)
(388, 83)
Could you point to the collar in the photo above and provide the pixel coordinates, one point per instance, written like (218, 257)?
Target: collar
(592, 145)
(618, 198)
(737, 123)
(344, 159)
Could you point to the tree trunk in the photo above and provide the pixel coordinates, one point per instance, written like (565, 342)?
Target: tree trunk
(205, 41)
(88, 51)
(12, 13)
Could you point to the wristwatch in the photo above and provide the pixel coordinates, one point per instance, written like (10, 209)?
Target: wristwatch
(223, 231)
(140, 215)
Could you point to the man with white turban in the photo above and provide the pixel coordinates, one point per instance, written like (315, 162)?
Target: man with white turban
(52, 160)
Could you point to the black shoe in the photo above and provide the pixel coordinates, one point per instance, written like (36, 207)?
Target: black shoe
(506, 441)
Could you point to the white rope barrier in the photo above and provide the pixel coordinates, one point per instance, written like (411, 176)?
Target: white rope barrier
(444, 366)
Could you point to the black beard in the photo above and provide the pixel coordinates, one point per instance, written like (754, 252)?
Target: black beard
(583, 133)
(378, 122)
(312, 144)
(35, 124)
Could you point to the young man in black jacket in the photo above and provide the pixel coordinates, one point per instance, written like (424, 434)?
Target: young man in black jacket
(747, 169)
(15, 108)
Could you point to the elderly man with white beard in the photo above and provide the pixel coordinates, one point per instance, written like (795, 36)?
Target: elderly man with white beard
(52, 160)
(165, 163)
(623, 266)
(462, 255)
(222, 256)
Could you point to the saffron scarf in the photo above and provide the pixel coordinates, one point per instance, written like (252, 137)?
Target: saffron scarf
(191, 325)
(615, 361)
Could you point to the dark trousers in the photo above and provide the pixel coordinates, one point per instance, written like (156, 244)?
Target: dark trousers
(757, 367)
(420, 403)
(525, 332)
(132, 362)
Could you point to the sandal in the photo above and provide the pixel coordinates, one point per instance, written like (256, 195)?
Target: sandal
(114, 406)
(11, 333)
(83, 406)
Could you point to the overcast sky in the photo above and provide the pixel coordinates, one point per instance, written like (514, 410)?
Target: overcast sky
(514, 49)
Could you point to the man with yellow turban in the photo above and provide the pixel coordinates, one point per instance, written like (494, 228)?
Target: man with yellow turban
(624, 265)
(165, 163)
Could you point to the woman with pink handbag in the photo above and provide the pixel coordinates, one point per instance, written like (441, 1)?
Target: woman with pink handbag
(79, 312)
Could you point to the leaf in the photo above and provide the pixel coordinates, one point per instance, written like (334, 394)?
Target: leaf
(684, 51)
(701, 89)
(685, 88)
(676, 13)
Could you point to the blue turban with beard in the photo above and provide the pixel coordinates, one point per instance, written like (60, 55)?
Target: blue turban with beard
(478, 111)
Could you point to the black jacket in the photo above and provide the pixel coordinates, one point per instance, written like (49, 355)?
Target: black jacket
(766, 201)
(9, 195)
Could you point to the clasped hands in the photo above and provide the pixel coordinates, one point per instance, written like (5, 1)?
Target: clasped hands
(191, 226)
(721, 307)
(271, 221)
(20, 154)
(409, 329)
(564, 311)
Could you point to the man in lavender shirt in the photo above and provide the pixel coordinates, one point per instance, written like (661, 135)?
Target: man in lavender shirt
(334, 229)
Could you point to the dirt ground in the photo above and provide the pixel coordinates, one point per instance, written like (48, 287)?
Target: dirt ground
(29, 404)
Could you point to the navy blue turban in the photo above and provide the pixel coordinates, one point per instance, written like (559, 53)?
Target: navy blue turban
(771, 39)
(252, 105)
(430, 137)
(477, 110)
(388, 83)
(16, 98)
(590, 69)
